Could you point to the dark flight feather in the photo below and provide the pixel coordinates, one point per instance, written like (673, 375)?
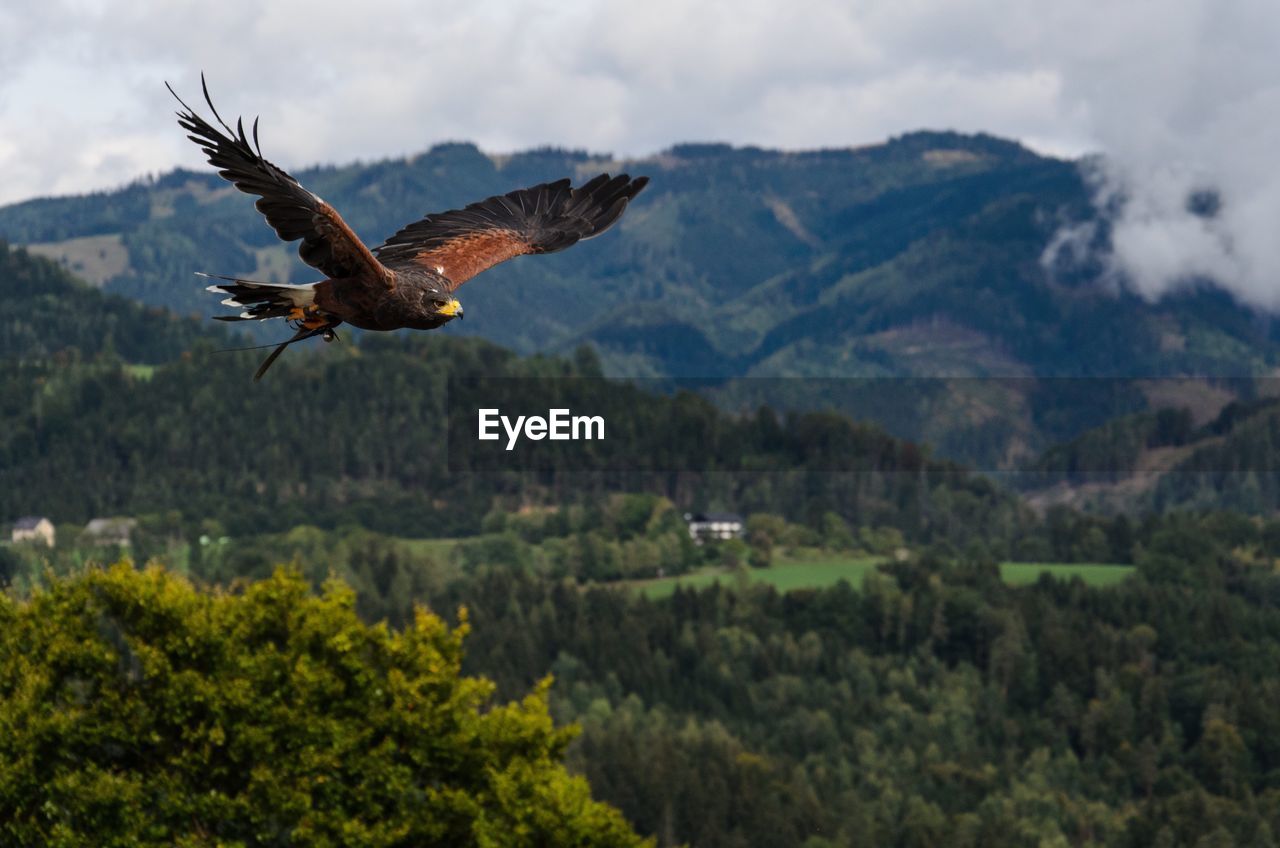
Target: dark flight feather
(328, 244)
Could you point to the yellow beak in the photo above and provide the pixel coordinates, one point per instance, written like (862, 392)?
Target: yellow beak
(452, 309)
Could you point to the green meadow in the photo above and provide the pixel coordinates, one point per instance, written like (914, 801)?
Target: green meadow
(1093, 573)
(820, 571)
(812, 570)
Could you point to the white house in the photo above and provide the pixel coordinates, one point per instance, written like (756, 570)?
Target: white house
(33, 528)
(717, 526)
(110, 531)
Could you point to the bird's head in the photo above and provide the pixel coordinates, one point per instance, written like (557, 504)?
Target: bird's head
(447, 307)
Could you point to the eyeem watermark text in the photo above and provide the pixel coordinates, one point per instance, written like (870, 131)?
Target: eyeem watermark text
(559, 425)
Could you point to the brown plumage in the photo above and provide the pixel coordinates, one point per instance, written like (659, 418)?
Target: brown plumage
(409, 280)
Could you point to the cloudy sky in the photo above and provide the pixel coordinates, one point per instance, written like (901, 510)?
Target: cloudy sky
(1180, 95)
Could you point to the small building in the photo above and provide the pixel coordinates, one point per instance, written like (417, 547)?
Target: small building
(33, 528)
(110, 531)
(715, 526)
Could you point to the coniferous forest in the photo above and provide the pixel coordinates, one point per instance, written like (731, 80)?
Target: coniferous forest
(335, 620)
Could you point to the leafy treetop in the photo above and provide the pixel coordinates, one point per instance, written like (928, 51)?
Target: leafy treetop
(136, 709)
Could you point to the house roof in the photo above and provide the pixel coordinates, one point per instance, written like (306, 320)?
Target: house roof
(28, 522)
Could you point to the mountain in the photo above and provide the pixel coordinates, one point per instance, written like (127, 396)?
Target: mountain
(920, 257)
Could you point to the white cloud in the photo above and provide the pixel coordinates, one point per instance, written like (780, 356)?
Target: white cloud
(337, 82)
(1182, 98)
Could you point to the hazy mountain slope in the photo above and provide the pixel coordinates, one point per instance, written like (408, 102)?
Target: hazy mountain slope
(918, 257)
(732, 242)
(734, 262)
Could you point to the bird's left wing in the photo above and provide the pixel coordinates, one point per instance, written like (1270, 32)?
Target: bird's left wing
(293, 212)
(542, 219)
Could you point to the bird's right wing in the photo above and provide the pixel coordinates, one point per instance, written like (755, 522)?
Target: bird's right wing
(293, 212)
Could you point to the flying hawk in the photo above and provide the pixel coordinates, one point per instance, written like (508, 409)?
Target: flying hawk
(410, 279)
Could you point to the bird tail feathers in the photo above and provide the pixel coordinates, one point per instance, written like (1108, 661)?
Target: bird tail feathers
(258, 300)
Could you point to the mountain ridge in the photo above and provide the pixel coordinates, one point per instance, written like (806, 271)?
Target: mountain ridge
(924, 256)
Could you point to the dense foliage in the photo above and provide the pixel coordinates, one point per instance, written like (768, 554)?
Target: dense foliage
(360, 435)
(934, 707)
(138, 711)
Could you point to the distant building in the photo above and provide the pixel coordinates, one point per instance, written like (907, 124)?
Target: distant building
(716, 526)
(33, 528)
(110, 531)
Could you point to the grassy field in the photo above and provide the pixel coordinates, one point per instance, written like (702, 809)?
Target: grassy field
(812, 569)
(820, 571)
(1093, 573)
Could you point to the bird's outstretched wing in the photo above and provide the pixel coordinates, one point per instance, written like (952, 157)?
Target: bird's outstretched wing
(293, 212)
(543, 219)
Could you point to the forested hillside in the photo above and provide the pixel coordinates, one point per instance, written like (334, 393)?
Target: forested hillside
(933, 707)
(46, 314)
(921, 256)
(1166, 460)
(362, 434)
(1239, 470)
(249, 458)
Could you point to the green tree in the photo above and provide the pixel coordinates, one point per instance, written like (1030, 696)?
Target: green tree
(764, 531)
(138, 710)
(836, 534)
